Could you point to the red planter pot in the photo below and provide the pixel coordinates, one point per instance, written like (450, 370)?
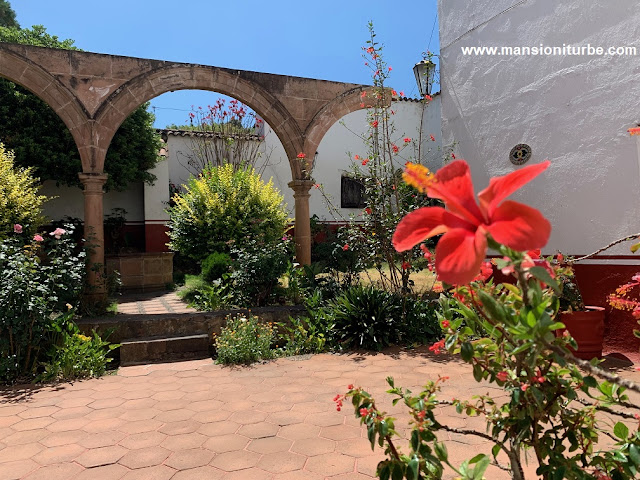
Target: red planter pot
(587, 328)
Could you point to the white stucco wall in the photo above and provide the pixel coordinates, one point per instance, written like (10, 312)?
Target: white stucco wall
(573, 110)
(69, 201)
(342, 139)
(333, 153)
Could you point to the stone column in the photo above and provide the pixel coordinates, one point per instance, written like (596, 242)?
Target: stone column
(302, 223)
(94, 232)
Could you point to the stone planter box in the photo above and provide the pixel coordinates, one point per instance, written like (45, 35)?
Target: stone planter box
(142, 272)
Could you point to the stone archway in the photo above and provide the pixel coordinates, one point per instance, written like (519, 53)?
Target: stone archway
(94, 93)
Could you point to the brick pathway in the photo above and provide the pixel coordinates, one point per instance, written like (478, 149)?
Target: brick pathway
(152, 303)
(197, 420)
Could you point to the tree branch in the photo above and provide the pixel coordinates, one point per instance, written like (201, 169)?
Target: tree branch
(635, 236)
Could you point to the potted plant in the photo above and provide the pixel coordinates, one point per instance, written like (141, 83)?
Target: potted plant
(585, 323)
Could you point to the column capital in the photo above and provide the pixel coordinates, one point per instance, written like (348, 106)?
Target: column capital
(301, 187)
(93, 182)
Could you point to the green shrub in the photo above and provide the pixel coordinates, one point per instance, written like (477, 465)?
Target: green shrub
(257, 269)
(215, 266)
(302, 336)
(419, 324)
(206, 296)
(19, 200)
(244, 340)
(74, 355)
(38, 283)
(224, 207)
(365, 317)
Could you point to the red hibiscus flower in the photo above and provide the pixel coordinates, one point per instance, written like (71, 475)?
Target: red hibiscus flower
(465, 223)
(634, 131)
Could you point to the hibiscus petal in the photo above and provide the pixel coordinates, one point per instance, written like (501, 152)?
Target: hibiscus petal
(459, 255)
(419, 225)
(519, 226)
(501, 187)
(454, 187)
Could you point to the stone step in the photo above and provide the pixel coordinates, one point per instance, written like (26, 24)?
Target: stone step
(138, 351)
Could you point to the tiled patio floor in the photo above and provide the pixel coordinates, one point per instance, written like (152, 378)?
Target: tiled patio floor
(152, 303)
(197, 420)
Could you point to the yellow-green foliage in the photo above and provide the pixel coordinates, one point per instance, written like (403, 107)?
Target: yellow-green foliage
(226, 206)
(19, 199)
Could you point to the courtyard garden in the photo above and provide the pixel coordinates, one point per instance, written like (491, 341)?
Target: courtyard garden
(412, 355)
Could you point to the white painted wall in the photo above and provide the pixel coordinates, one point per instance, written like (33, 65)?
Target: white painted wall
(332, 161)
(342, 142)
(573, 110)
(69, 201)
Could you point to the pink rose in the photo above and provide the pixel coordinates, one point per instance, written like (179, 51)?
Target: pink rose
(58, 232)
(17, 228)
(38, 238)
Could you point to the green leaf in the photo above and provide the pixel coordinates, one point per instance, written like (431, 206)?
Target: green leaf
(441, 451)
(481, 466)
(412, 470)
(385, 472)
(398, 472)
(590, 382)
(495, 450)
(543, 275)
(477, 372)
(494, 309)
(466, 351)
(634, 454)
(621, 431)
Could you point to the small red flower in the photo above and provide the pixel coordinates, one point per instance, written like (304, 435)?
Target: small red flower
(374, 124)
(367, 211)
(345, 247)
(317, 185)
(634, 131)
(356, 157)
(406, 265)
(390, 68)
(350, 386)
(445, 324)
(524, 387)
(401, 93)
(364, 162)
(560, 258)
(407, 140)
(302, 155)
(453, 155)
(502, 376)
(364, 412)
(395, 148)
(394, 93)
(428, 98)
(437, 347)
(433, 139)
(363, 94)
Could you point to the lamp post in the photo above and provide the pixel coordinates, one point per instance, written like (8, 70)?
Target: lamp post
(424, 71)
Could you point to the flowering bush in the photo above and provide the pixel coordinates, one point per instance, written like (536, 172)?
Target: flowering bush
(20, 203)
(222, 207)
(386, 199)
(74, 355)
(244, 340)
(554, 405)
(40, 277)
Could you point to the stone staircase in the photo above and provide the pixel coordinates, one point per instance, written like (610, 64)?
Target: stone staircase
(172, 336)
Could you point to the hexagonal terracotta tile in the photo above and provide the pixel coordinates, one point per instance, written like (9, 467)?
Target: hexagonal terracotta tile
(184, 441)
(270, 445)
(158, 472)
(200, 473)
(58, 471)
(226, 443)
(61, 454)
(330, 464)
(281, 462)
(215, 429)
(105, 472)
(313, 446)
(340, 432)
(298, 431)
(191, 458)
(236, 460)
(12, 453)
(101, 456)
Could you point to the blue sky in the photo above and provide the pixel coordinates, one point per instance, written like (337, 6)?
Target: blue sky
(308, 39)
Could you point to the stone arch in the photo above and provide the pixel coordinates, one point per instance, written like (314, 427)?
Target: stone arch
(348, 102)
(146, 86)
(18, 69)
